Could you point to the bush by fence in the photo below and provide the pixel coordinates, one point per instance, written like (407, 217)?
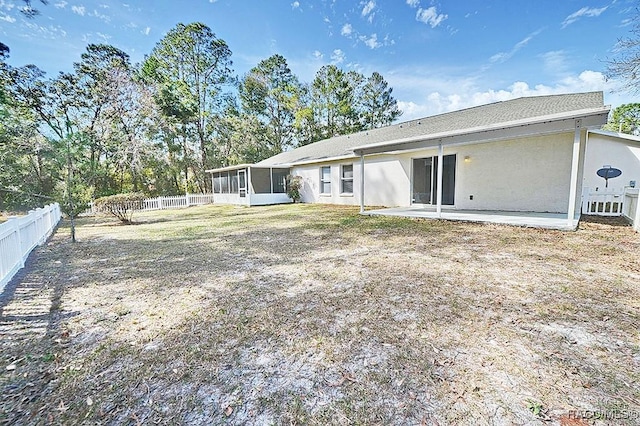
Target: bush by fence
(121, 206)
(173, 202)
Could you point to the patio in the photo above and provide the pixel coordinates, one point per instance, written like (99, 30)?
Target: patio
(525, 219)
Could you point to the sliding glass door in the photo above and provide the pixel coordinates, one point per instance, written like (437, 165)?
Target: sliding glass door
(425, 180)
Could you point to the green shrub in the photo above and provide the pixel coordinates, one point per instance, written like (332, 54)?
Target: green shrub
(121, 206)
(294, 183)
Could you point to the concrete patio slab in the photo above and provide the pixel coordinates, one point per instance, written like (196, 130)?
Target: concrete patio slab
(525, 219)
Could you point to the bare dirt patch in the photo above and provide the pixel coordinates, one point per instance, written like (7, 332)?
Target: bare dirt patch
(307, 314)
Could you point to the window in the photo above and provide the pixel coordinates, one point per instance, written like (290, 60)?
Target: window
(224, 185)
(425, 180)
(234, 182)
(280, 180)
(346, 179)
(325, 180)
(217, 183)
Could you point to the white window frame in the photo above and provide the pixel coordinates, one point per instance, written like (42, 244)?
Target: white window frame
(343, 179)
(323, 181)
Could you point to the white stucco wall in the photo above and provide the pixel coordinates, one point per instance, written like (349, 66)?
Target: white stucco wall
(387, 182)
(611, 151)
(310, 192)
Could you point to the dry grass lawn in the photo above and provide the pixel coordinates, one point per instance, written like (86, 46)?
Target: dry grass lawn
(308, 314)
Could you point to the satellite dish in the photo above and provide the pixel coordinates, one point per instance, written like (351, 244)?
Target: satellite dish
(608, 173)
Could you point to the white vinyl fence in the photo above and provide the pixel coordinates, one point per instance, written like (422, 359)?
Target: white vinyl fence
(603, 202)
(613, 203)
(20, 235)
(177, 201)
(631, 209)
(163, 203)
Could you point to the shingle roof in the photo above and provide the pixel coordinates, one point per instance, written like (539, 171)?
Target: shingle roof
(484, 115)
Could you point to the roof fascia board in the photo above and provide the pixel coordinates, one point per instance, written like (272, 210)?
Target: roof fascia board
(228, 168)
(317, 160)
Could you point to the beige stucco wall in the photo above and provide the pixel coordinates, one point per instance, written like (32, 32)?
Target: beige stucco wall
(615, 152)
(387, 182)
(527, 174)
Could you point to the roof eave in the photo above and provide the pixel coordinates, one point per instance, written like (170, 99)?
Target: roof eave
(228, 168)
(625, 136)
(518, 128)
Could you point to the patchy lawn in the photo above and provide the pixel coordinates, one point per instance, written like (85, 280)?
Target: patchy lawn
(307, 314)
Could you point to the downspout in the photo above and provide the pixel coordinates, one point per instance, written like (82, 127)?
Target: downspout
(361, 183)
(440, 172)
(573, 184)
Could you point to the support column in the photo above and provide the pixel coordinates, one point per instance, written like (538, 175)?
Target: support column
(361, 183)
(575, 163)
(439, 181)
(248, 185)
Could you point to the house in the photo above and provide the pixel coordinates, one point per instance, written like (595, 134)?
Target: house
(523, 158)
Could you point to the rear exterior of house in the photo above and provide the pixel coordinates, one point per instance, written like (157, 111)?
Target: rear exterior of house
(522, 155)
(523, 174)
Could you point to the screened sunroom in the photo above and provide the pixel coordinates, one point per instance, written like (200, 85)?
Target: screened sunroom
(249, 185)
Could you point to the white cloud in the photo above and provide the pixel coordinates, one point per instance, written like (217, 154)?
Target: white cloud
(368, 7)
(78, 10)
(584, 12)
(413, 3)
(317, 54)
(555, 61)
(61, 4)
(371, 41)
(98, 15)
(91, 38)
(146, 31)
(347, 29)
(430, 16)
(7, 18)
(503, 56)
(51, 32)
(104, 37)
(452, 95)
(295, 4)
(337, 56)
(6, 6)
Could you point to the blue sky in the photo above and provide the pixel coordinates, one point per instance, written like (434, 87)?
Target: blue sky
(437, 56)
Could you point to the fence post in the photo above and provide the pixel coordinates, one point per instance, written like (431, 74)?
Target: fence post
(160, 203)
(636, 219)
(187, 197)
(585, 197)
(14, 222)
